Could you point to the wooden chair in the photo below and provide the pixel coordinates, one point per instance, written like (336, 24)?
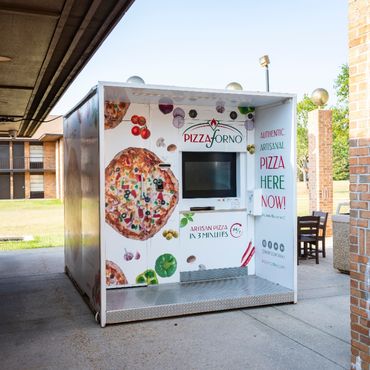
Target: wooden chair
(308, 234)
(322, 232)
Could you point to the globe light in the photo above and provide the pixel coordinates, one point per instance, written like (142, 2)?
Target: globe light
(319, 97)
(137, 80)
(234, 86)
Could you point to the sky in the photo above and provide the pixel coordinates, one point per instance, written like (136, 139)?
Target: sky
(209, 43)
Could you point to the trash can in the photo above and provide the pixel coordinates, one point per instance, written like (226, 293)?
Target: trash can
(341, 239)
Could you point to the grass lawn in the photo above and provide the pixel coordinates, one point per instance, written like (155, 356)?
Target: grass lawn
(340, 194)
(42, 218)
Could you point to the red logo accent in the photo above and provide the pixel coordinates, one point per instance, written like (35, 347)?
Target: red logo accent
(213, 123)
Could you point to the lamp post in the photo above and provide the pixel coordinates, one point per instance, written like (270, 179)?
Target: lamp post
(264, 62)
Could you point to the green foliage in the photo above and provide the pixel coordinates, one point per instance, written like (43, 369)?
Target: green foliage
(341, 85)
(340, 129)
(303, 107)
(341, 126)
(340, 143)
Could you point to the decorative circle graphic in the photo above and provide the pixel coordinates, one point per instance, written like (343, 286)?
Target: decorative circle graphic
(236, 230)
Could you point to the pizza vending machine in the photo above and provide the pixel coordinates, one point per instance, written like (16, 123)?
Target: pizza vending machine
(179, 200)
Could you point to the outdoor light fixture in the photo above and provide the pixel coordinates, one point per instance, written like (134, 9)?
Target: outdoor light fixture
(234, 86)
(135, 80)
(13, 133)
(264, 62)
(320, 97)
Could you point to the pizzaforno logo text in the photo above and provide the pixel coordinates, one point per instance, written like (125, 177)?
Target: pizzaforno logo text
(193, 135)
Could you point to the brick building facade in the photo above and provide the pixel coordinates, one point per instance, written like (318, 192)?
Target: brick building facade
(359, 116)
(33, 168)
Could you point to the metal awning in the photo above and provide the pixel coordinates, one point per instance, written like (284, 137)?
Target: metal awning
(48, 42)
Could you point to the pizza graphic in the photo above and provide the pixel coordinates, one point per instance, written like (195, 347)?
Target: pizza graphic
(140, 194)
(113, 274)
(114, 113)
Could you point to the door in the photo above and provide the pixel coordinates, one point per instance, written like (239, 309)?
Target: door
(18, 186)
(4, 186)
(18, 157)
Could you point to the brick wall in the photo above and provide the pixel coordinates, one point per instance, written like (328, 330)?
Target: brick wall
(49, 155)
(49, 164)
(61, 168)
(49, 185)
(320, 169)
(359, 115)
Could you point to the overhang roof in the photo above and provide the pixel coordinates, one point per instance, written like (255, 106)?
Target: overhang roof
(49, 42)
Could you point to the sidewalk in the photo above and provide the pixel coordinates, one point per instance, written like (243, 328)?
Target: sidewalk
(46, 325)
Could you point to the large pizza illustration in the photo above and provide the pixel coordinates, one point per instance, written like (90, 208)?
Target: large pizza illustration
(114, 113)
(113, 274)
(140, 194)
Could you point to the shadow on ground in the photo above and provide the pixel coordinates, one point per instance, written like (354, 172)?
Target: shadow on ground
(46, 325)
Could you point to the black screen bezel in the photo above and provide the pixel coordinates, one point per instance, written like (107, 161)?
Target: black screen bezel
(229, 157)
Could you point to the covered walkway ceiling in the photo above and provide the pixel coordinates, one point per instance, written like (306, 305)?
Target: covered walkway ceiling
(48, 42)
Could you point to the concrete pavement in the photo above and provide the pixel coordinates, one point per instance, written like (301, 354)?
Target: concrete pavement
(46, 325)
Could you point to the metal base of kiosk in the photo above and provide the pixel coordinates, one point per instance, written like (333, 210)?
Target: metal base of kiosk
(156, 301)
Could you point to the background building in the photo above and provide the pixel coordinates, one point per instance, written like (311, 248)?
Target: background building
(33, 167)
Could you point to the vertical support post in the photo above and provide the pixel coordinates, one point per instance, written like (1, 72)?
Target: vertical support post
(11, 167)
(320, 163)
(267, 79)
(27, 180)
(61, 167)
(359, 169)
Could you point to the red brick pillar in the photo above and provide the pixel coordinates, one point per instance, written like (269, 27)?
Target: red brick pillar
(320, 163)
(359, 116)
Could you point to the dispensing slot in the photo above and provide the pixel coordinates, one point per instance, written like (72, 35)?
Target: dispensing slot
(202, 209)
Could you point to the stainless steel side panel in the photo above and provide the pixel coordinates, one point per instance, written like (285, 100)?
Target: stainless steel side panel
(81, 198)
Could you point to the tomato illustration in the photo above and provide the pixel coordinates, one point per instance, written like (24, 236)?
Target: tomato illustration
(141, 121)
(135, 131)
(145, 133)
(135, 119)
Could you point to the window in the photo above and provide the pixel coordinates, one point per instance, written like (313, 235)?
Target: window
(37, 186)
(36, 156)
(4, 155)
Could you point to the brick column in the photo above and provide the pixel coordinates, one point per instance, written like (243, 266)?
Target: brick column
(57, 171)
(11, 168)
(27, 186)
(359, 116)
(61, 167)
(320, 163)
(49, 155)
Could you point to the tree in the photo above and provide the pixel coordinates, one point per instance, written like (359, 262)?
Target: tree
(341, 85)
(340, 130)
(303, 107)
(341, 126)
